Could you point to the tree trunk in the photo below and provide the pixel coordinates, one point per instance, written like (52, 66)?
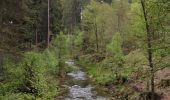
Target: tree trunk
(149, 44)
(1, 63)
(96, 35)
(36, 37)
(60, 65)
(118, 23)
(48, 34)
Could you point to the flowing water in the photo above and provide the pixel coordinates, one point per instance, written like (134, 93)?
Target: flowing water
(79, 87)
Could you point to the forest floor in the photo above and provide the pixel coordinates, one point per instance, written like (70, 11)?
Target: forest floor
(163, 75)
(161, 88)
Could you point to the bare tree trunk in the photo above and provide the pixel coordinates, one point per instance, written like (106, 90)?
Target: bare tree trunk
(1, 63)
(96, 35)
(48, 34)
(149, 44)
(118, 24)
(72, 40)
(36, 37)
(120, 17)
(59, 63)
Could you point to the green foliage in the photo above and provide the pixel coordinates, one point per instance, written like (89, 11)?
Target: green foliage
(159, 53)
(111, 40)
(104, 72)
(60, 44)
(56, 16)
(115, 49)
(31, 76)
(78, 40)
(14, 76)
(71, 14)
(99, 72)
(51, 60)
(34, 70)
(135, 61)
(18, 96)
(99, 24)
(136, 27)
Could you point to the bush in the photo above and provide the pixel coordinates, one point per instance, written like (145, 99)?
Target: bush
(31, 76)
(135, 61)
(101, 72)
(33, 72)
(17, 96)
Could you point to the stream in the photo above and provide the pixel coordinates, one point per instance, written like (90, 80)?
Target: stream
(79, 87)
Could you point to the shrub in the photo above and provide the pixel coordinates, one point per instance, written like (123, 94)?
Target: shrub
(31, 76)
(33, 71)
(135, 61)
